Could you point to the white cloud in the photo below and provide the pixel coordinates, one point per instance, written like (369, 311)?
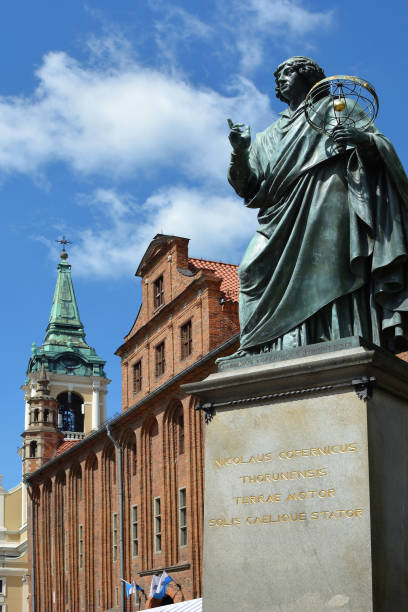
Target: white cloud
(219, 228)
(176, 28)
(277, 23)
(122, 119)
(288, 14)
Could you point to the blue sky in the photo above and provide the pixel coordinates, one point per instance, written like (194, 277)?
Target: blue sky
(113, 128)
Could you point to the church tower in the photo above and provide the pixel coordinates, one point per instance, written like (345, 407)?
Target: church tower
(66, 386)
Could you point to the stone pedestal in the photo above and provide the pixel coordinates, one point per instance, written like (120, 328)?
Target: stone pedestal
(306, 484)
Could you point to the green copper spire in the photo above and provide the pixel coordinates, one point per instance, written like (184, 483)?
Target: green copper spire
(65, 349)
(65, 326)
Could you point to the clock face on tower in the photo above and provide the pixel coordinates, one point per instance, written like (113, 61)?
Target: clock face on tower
(69, 363)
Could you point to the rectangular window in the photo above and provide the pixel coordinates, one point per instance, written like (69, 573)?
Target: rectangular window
(182, 517)
(137, 377)
(158, 293)
(80, 546)
(186, 340)
(115, 537)
(157, 525)
(135, 534)
(2, 586)
(159, 359)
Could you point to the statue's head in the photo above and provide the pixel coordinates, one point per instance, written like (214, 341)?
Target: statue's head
(306, 68)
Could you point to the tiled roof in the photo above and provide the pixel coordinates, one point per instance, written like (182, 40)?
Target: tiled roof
(228, 273)
(65, 445)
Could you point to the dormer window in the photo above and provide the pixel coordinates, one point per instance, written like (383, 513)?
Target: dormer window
(158, 293)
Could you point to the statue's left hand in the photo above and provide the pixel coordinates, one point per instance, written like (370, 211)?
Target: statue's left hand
(351, 136)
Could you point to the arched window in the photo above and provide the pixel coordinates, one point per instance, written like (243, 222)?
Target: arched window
(33, 449)
(36, 414)
(70, 412)
(46, 415)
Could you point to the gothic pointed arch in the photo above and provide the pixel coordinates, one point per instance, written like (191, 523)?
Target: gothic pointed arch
(60, 535)
(109, 488)
(45, 550)
(127, 441)
(91, 526)
(196, 453)
(91, 462)
(74, 498)
(151, 453)
(173, 439)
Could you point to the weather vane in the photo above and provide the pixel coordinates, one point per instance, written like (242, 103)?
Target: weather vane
(64, 241)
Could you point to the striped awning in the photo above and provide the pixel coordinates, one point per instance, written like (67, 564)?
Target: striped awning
(193, 605)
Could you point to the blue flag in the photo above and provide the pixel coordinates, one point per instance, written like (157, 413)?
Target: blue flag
(159, 587)
(131, 588)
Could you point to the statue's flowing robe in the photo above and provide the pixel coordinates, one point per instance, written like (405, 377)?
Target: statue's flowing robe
(329, 258)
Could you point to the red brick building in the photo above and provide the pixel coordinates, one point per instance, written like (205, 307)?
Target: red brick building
(91, 521)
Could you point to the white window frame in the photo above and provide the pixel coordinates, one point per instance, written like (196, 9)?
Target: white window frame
(182, 517)
(3, 590)
(114, 537)
(135, 531)
(157, 524)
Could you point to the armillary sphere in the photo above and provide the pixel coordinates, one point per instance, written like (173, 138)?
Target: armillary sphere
(352, 103)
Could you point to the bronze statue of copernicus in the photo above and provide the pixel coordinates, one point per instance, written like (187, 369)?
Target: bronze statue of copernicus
(329, 257)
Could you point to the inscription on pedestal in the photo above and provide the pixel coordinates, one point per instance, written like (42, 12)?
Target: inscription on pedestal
(275, 497)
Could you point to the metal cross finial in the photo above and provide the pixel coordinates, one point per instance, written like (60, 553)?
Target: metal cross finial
(64, 254)
(63, 241)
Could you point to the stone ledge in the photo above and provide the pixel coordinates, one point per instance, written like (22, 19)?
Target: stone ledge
(339, 366)
(167, 568)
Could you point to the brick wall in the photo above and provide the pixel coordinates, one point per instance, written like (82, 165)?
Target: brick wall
(161, 437)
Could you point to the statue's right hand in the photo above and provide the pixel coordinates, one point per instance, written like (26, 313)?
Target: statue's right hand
(239, 136)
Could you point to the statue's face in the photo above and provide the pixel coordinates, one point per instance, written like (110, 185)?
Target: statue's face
(291, 84)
